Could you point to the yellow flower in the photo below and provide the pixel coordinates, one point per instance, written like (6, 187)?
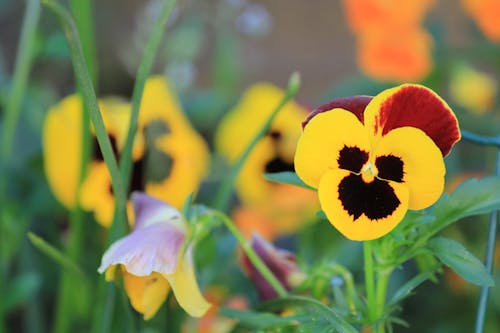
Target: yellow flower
(170, 158)
(473, 90)
(287, 206)
(154, 258)
(370, 167)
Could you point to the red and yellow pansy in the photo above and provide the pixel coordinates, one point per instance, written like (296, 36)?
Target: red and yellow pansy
(372, 159)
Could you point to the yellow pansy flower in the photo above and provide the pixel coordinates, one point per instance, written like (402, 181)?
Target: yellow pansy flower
(372, 159)
(164, 135)
(285, 205)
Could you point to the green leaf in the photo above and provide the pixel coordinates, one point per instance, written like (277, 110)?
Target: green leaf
(465, 264)
(19, 291)
(406, 289)
(326, 317)
(259, 320)
(203, 220)
(287, 177)
(472, 197)
(53, 253)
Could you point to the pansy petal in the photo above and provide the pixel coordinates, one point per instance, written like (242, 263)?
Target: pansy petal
(416, 106)
(318, 149)
(359, 210)
(146, 293)
(62, 148)
(423, 165)
(149, 211)
(185, 287)
(280, 262)
(154, 248)
(354, 104)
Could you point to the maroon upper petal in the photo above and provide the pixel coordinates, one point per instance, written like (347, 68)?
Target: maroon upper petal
(354, 104)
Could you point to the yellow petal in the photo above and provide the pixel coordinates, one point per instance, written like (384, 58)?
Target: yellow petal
(96, 195)
(362, 212)
(322, 140)
(146, 293)
(62, 148)
(185, 287)
(423, 164)
(191, 160)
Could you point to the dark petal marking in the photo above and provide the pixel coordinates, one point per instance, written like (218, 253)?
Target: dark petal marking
(96, 150)
(354, 104)
(352, 159)
(390, 167)
(419, 107)
(376, 200)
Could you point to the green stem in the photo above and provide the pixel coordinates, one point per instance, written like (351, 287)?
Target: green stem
(119, 226)
(142, 74)
(381, 292)
(66, 301)
(66, 294)
(488, 261)
(82, 13)
(90, 103)
(254, 258)
(20, 77)
(370, 281)
(350, 288)
(224, 194)
(12, 111)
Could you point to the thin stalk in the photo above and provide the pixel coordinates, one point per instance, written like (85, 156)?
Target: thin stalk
(90, 103)
(254, 258)
(370, 281)
(82, 13)
(381, 293)
(12, 111)
(482, 139)
(119, 226)
(224, 194)
(22, 67)
(488, 262)
(143, 72)
(66, 294)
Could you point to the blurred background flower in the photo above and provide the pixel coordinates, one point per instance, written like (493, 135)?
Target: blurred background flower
(170, 158)
(282, 208)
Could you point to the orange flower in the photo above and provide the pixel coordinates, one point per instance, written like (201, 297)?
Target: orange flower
(398, 55)
(392, 46)
(366, 15)
(486, 14)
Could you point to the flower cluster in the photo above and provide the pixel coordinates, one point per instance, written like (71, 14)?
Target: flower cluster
(392, 44)
(372, 159)
(169, 157)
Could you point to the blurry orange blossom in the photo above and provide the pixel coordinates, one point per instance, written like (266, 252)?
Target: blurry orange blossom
(401, 54)
(392, 45)
(486, 14)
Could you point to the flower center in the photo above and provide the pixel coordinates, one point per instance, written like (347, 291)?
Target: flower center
(369, 172)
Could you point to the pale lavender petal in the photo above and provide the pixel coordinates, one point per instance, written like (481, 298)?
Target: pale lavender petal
(154, 248)
(149, 210)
